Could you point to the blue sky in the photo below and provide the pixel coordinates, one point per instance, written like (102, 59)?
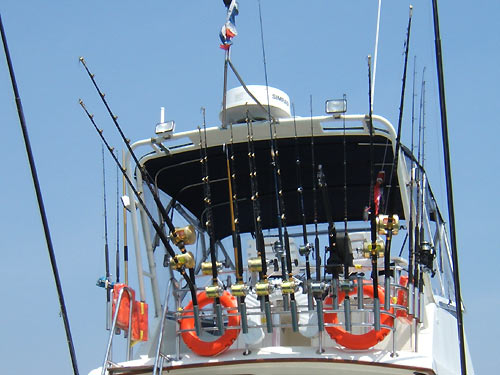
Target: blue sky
(165, 53)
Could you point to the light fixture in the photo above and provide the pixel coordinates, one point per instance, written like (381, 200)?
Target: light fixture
(336, 106)
(165, 127)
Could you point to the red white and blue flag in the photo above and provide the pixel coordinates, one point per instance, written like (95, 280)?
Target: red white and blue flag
(228, 31)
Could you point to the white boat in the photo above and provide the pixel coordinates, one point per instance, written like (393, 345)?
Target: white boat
(344, 262)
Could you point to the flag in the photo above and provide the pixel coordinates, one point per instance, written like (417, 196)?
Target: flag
(228, 31)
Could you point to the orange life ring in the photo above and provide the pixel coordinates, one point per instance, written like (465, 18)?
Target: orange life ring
(210, 348)
(353, 341)
(403, 300)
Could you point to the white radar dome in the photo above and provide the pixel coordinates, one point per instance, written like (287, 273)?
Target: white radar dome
(238, 102)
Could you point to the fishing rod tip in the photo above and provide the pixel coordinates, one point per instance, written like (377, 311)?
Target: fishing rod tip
(81, 59)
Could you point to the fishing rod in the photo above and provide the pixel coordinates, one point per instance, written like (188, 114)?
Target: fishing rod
(306, 248)
(263, 288)
(332, 262)
(419, 235)
(240, 289)
(317, 287)
(374, 247)
(214, 291)
(176, 235)
(449, 190)
(315, 202)
(117, 260)
(391, 226)
(347, 258)
(179, 262)
(288, 287)
(106, 248)
(125, 244)
(411, 230)
(39, 198)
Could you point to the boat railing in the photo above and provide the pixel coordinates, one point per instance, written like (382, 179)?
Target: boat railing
(366, 313)
(107, 360)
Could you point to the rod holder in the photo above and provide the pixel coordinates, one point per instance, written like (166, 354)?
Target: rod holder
(293, 309)
(286, 302)
(220, 321)
(376, 313)
(197, 325)
(269, 321)
(360, 291)
(244, 319)
(387, 295)
(411, 299)
(347, 314)
(335, 294)
(319, 310)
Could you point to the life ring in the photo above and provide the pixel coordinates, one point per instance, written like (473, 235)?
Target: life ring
(353, 341)
(403, 300)
(210, 348)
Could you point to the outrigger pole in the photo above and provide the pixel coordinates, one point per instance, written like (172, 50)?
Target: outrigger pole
(39, 198)
(449, 186)
(179, 262)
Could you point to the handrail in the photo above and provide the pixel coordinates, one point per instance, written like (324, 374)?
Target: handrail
(113, 327)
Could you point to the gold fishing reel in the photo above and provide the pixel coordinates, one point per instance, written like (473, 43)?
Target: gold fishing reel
(255, 265)
(239, 290)
(384, 225)
(263, 288)
(369, 249)
(185, 235)
(206, 267)
(213, 291)
(185, 260)
(288, 287)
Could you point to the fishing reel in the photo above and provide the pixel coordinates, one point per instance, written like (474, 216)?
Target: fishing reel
(213, 291)
(206, 267)
(369, 250)
(426, 256)
(263, 288)
(306, 249)
(289, 287)
(185, 260)
(184, 236)
(239, 290)
(255, 265)
(384, 225)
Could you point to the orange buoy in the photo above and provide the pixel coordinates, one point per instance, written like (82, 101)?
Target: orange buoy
(353, 341)
(210, 348)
